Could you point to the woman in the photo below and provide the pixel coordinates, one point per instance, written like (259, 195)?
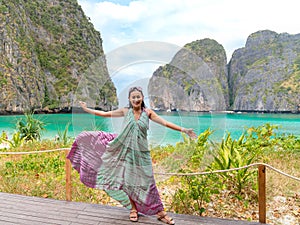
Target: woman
(121, 164)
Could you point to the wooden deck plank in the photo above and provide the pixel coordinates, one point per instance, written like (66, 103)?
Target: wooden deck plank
(27, 210)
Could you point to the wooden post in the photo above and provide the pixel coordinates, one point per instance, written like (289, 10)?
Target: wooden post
(262, 193)
(68, 178)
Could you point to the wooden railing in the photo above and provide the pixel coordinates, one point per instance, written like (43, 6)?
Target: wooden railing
(262, 203)
(68, 168)
(261, 178)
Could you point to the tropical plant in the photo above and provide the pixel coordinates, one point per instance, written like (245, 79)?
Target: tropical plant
(186, 154)
(198, 149)
(16, 140)
(29, 127)
(242, 152)
(63, 137)
(3, 136)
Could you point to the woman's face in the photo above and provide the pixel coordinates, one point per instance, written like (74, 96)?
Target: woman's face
(136, 98)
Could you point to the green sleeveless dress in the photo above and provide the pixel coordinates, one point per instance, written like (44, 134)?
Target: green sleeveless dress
(119, 164)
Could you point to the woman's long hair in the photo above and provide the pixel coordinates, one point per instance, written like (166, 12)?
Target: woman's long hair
(139, 89)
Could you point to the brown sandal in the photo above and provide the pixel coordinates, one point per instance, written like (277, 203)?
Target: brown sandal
(165, 218)
(133, 216)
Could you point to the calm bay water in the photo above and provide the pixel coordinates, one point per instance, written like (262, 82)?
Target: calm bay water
(221, 123)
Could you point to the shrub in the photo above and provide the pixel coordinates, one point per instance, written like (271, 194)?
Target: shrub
(29, 127)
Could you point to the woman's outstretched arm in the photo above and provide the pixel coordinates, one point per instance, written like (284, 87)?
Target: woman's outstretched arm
(114, 113)
(156, 118)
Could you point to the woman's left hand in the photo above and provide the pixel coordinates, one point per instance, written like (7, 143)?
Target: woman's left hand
(190, 132)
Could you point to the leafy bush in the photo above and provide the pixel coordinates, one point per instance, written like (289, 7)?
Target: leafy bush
(242, 152)
(184, 155)
(251, 146)
(193, 191)
(29, 127)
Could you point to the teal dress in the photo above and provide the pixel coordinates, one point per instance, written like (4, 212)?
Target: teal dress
(119, 164)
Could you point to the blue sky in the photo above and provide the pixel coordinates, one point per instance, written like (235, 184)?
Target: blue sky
(122, 24)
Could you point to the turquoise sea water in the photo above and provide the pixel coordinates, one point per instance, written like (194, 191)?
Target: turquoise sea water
(221, 123)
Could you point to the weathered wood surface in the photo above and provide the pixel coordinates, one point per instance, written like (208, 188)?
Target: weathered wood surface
(20, 210)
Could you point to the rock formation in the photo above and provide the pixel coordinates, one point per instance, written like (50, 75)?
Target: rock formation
(263, 76)
(47, 48)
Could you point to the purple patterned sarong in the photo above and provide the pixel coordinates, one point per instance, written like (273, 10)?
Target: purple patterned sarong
(119, 164)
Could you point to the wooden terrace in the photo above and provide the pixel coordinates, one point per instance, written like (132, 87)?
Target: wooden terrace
(27, 210)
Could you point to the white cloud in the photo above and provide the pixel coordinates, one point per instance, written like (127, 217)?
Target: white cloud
(181, 21)
(178, 22)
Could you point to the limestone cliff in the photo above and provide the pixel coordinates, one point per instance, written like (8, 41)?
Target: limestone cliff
(195, 79)
(47, 47)
(265, 74)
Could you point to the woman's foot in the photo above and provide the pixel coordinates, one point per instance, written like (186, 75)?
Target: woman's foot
(133, 216)
(162, 216)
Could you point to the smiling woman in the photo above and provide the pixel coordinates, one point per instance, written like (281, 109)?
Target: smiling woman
(121, 164)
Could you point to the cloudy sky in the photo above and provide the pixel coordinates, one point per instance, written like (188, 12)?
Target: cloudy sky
(125, 24)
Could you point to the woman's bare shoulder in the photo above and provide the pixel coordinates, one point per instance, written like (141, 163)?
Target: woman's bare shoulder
(149, 112)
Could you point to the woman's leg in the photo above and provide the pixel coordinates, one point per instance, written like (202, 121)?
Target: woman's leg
(133, 216)
(162, 216)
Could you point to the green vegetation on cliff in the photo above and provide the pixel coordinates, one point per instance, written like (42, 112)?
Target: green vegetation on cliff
(48, 46)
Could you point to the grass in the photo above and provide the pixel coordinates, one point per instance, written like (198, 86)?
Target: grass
(278, 184)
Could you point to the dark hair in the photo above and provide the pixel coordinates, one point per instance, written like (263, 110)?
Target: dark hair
(139, 89)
